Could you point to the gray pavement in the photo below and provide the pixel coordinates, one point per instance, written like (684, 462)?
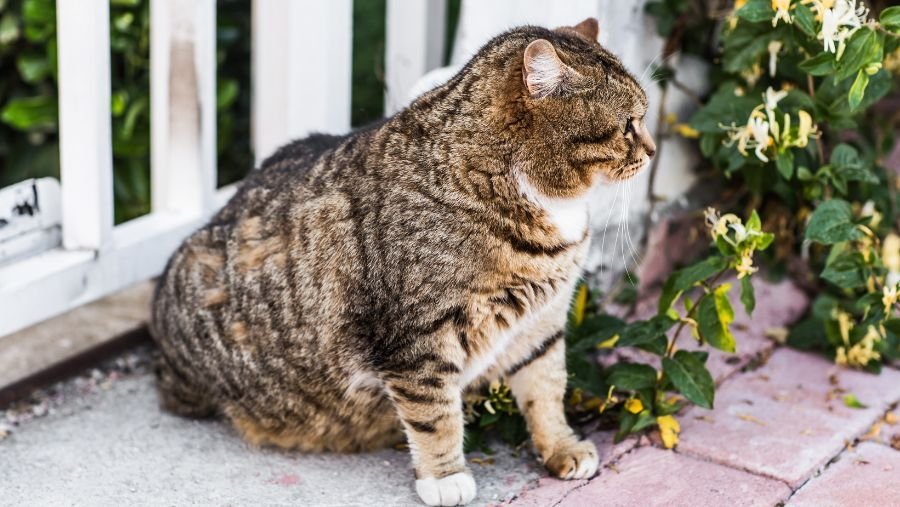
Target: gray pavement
(109, 444)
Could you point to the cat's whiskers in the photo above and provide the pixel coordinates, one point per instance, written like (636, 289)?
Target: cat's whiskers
(634, 252)
(609, 213)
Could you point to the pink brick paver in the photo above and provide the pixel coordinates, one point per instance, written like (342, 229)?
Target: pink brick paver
(549, 490)
(869, 476)
(653, 477)
(787, 419)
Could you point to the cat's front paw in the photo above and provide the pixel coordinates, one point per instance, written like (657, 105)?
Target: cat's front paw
(456, 489)
(574, 461)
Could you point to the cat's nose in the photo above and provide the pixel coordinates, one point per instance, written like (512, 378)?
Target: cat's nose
(651, 151)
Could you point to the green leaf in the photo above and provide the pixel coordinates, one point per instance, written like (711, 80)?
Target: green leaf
(644, 331)
(632, 376)
(846, 270)
(890, 18)
(714, 317)
(31, 113)
(685, 278)
(669, 296)
(32, 68)
(784, 161)
(690, 376)
(858, 90)
(864, 47)
(748, 297)
(756, 11)
(832, 222)
(850, 400)
(804, 20)
(820, 65)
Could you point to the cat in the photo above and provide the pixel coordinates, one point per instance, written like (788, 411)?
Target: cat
(357, 286)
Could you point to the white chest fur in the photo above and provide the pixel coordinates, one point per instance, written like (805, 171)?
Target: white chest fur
(569, 216)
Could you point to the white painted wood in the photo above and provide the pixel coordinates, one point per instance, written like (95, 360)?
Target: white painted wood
(301, 70)
(414, 45)
(30, 218)
(85, 130)
(46, 285)
(183, 99)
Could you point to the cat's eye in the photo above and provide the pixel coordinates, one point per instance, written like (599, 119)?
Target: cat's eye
(629, 126)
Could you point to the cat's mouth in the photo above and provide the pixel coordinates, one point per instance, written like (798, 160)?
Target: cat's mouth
(628, 170)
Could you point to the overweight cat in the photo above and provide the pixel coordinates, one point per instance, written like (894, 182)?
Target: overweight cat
(355, 287)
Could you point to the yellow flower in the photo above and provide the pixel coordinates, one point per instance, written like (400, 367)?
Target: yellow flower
(806, 129)
(752, 74)
(840, 356)
(634, 406)
(860, 354)
(668, 430)
(844, 325)
(781, 11)
(721, 226)
(890, 255)
(685, 130)
(746, 266)
(889, 298)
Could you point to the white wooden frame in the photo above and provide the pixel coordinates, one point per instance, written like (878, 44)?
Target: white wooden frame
(301, 83)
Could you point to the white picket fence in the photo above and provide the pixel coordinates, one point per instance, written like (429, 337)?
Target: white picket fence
(301, 83)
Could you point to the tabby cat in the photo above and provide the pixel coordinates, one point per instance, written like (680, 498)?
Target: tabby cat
(356, 287)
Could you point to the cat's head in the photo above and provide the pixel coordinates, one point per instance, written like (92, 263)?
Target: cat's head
(586, 112)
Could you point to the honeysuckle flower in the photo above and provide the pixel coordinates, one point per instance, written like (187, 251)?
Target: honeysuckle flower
(819, 6)
(774, 47)
(890, 255)
(781, 8)
(745, 267)
(889, 297)
(806, 129)
(861, 353)
(771, 98)
(732, 19)
(759, 128)
(752, 74)
(870, 211)
(839, 23)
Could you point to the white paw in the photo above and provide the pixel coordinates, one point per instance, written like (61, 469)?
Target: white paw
(456, 489)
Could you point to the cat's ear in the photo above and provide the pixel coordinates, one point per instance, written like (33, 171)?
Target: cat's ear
(544, 73)
(589, 28)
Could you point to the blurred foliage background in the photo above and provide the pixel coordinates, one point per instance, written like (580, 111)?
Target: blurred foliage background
(29, 146)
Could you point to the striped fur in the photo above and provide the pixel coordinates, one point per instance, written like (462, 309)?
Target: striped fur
(357, 285)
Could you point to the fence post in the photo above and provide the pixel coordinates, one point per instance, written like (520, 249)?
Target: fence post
(301, 70)
(85, 122)
(183, 101)
(414, 46)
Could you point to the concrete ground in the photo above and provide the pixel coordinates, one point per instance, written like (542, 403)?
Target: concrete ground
(101, 440)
